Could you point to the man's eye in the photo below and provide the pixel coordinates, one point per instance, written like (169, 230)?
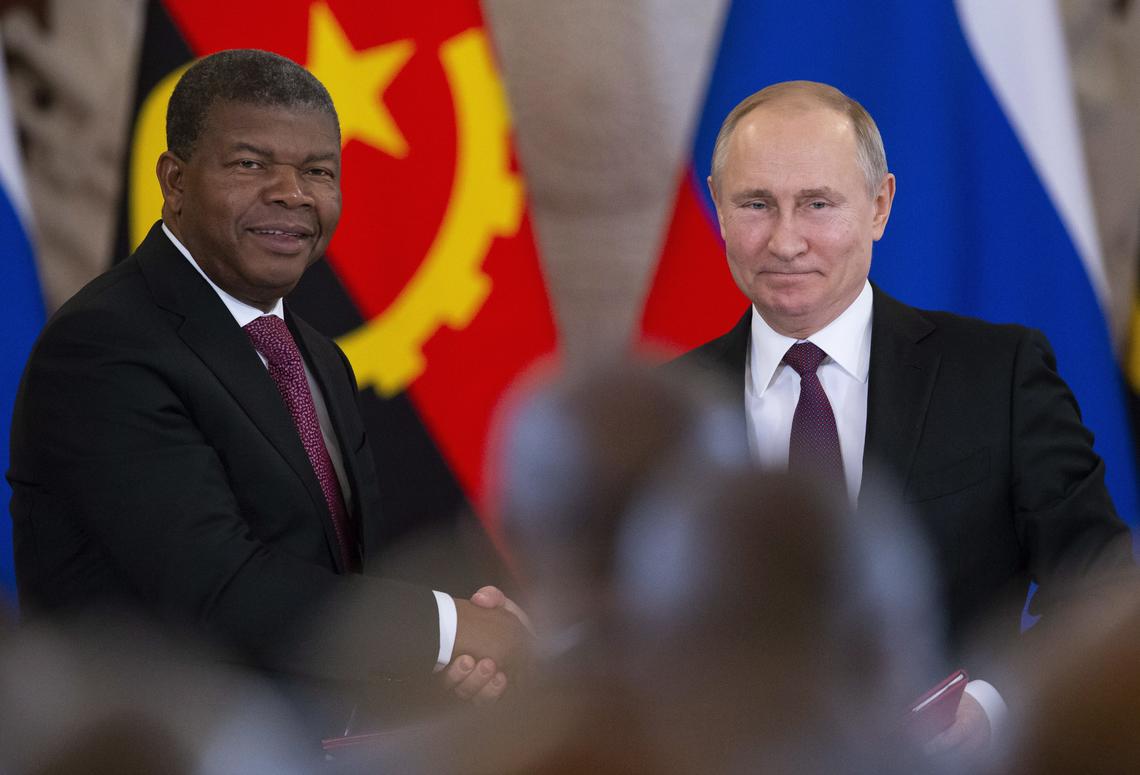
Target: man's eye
(249, 164)
(817, 205)
(757, 205)
(320, 172)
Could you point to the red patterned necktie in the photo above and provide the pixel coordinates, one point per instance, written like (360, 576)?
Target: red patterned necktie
(814, 447)
(273, 340)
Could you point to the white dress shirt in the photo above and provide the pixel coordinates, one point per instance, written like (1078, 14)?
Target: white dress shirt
(772, 389)
(244, 314)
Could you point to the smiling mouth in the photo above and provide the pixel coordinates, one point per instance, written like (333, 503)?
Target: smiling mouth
(282, 233)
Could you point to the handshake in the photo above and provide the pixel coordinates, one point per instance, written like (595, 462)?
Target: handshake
(493, 637)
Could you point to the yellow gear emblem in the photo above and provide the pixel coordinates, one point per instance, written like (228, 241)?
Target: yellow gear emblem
(486, 201)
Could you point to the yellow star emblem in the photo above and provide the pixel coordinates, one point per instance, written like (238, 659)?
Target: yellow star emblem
(357, 81)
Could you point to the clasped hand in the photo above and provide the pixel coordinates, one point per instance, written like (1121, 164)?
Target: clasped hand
(493, 637)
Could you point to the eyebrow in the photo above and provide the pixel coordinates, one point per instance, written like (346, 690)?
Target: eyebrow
(258, 151)
(825, 192)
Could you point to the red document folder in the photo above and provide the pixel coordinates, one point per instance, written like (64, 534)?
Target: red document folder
(934, 711)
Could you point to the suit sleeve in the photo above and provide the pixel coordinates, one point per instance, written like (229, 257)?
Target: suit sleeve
(120, 484)
(1064, 515)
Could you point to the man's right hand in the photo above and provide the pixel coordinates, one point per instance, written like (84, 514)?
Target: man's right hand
(492, 633)
(481, 680)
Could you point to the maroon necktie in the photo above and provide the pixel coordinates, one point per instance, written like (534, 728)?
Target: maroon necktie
(814, 447)
(273, 340)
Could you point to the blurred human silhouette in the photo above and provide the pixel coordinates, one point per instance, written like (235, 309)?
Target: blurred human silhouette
(573, 454)
(1082, 691)
(770, 631)
(112, 696)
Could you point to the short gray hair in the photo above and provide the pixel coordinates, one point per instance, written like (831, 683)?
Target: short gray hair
(870, 155)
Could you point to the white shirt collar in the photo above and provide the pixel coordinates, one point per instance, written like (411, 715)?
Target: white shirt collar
(846, 340)
(243, 313)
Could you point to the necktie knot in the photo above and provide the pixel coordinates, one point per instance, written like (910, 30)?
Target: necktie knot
(804, 357)
(271, 338)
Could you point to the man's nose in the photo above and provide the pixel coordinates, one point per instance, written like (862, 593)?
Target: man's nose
(786, 242)
(288, 186)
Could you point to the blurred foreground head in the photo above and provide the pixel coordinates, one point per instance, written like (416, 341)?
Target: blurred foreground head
(577, 450)
(112, 696)
(771, 631)
(1081, 698)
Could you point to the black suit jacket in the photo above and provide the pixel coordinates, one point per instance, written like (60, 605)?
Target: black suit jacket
(972, 424)
(154, 465)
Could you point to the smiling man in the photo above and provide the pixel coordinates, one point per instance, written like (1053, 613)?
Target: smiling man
(846, 385)
(184, 446)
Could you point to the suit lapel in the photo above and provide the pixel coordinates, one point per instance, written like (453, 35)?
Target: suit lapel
(902, 374)
(210, 331)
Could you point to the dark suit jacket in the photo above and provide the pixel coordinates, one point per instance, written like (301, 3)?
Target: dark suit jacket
(973, 423)
(154, 465)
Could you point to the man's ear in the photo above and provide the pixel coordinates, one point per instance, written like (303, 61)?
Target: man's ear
(716, 204)
(882, 204)
(170, 170)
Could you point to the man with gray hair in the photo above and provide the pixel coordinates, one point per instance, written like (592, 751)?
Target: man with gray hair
(845, 384)
(185, 446)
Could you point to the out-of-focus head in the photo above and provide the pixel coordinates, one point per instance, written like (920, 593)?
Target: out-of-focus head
(801, 189)
(251, 177)
(575, 451)
(1079, 689)
(770, 610)
(108, 695)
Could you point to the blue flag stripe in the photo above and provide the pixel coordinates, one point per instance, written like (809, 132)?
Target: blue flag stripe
(21, 312)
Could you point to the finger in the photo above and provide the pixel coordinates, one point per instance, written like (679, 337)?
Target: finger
(458, 670)
(492, 691)
(493, 597)
(489, 597)
(513, 608)
(478, 678)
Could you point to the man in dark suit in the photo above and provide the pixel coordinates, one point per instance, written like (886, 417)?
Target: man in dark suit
(185, 446)
(970, 419)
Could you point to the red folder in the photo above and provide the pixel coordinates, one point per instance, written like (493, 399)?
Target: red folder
(934, 711)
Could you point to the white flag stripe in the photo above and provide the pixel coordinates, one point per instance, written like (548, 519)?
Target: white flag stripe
(1020, 47)
(11, 178)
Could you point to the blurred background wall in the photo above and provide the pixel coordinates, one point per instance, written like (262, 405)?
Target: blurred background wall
(603, 96)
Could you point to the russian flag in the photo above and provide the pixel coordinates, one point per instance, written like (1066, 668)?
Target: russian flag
(993, 217)
(21, 304)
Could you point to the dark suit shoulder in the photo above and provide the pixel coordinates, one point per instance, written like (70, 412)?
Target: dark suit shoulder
(963, 325)
(121, 282)
(949, 330)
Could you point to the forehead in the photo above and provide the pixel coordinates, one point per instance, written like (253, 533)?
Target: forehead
(794, 138)
(277, 128)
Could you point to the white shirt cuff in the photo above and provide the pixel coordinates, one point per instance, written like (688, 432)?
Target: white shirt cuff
(448, 624)
(992, 703)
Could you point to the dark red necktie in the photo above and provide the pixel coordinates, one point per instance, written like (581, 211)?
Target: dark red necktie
(814, 448)
(273, 340)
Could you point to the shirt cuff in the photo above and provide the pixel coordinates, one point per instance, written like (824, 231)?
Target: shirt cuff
(992, 704)
(448, 624)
